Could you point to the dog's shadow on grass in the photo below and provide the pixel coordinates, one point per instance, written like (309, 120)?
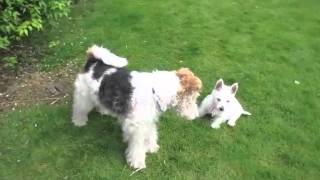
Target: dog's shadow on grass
(104, 133)
(207, 119)
(101, 138)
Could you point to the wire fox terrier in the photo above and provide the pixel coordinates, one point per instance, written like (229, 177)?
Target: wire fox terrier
(137, 99)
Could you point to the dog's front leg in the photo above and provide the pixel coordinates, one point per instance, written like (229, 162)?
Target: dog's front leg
(216, 122)
(152, 138)
(232, 121)
(134, 133)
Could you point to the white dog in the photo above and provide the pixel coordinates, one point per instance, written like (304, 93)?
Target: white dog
(136, 98)
(222, 105)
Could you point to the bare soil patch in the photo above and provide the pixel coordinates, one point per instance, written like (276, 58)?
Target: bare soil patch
(31, 87)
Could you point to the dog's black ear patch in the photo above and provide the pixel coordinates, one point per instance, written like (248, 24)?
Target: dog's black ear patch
(116, 90)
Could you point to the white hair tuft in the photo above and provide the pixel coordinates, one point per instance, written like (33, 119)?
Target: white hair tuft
(107, 57)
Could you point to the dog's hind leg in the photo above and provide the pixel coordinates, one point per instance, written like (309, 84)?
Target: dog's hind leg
(82, 104)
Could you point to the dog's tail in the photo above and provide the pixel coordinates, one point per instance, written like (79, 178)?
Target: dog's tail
(106, 56)
(246, 113)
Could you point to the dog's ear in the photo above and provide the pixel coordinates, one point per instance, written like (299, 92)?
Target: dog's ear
(219, 84)
(234, 88)
(189, 81)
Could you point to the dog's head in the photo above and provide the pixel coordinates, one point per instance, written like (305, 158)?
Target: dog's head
(187, 96)
(223, 97)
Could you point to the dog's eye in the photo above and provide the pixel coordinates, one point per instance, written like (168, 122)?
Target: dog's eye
(218, 99)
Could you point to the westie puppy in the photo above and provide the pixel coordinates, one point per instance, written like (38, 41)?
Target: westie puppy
(222, 105)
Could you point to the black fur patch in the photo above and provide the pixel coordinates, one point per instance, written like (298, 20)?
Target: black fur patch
(99, 69)
(116, 90)
(90, 62)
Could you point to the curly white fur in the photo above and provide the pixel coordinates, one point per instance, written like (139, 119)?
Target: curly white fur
(153, 93)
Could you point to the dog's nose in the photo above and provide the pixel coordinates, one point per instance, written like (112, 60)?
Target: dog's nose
(221, 108)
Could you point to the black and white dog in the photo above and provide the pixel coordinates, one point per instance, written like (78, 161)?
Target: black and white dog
(136, 98)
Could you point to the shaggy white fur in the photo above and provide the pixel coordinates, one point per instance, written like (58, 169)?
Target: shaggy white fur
(153, 93)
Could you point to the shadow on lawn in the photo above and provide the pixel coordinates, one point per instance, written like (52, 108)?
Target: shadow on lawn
(104, 133)
(100, 140)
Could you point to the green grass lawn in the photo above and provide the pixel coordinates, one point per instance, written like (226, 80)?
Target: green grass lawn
(263, 45)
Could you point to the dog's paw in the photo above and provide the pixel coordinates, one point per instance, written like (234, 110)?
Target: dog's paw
(231, 124)
(102, 111)
(153, 148)
(136, 163)
(215, 126)
(79, 123)
(136, 158)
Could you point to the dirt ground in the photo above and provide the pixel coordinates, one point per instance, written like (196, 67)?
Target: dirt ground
(29, 86)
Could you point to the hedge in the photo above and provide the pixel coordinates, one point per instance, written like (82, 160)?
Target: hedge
(20, 17)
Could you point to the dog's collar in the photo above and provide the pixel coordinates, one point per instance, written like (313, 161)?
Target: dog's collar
(157, 99)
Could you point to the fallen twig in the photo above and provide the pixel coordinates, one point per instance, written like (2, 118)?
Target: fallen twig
(53, 102)
(137, 170)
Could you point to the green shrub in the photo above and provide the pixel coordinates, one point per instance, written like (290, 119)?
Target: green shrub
(19, 17)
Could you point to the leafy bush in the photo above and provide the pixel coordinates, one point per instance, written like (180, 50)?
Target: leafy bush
(19, 17)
